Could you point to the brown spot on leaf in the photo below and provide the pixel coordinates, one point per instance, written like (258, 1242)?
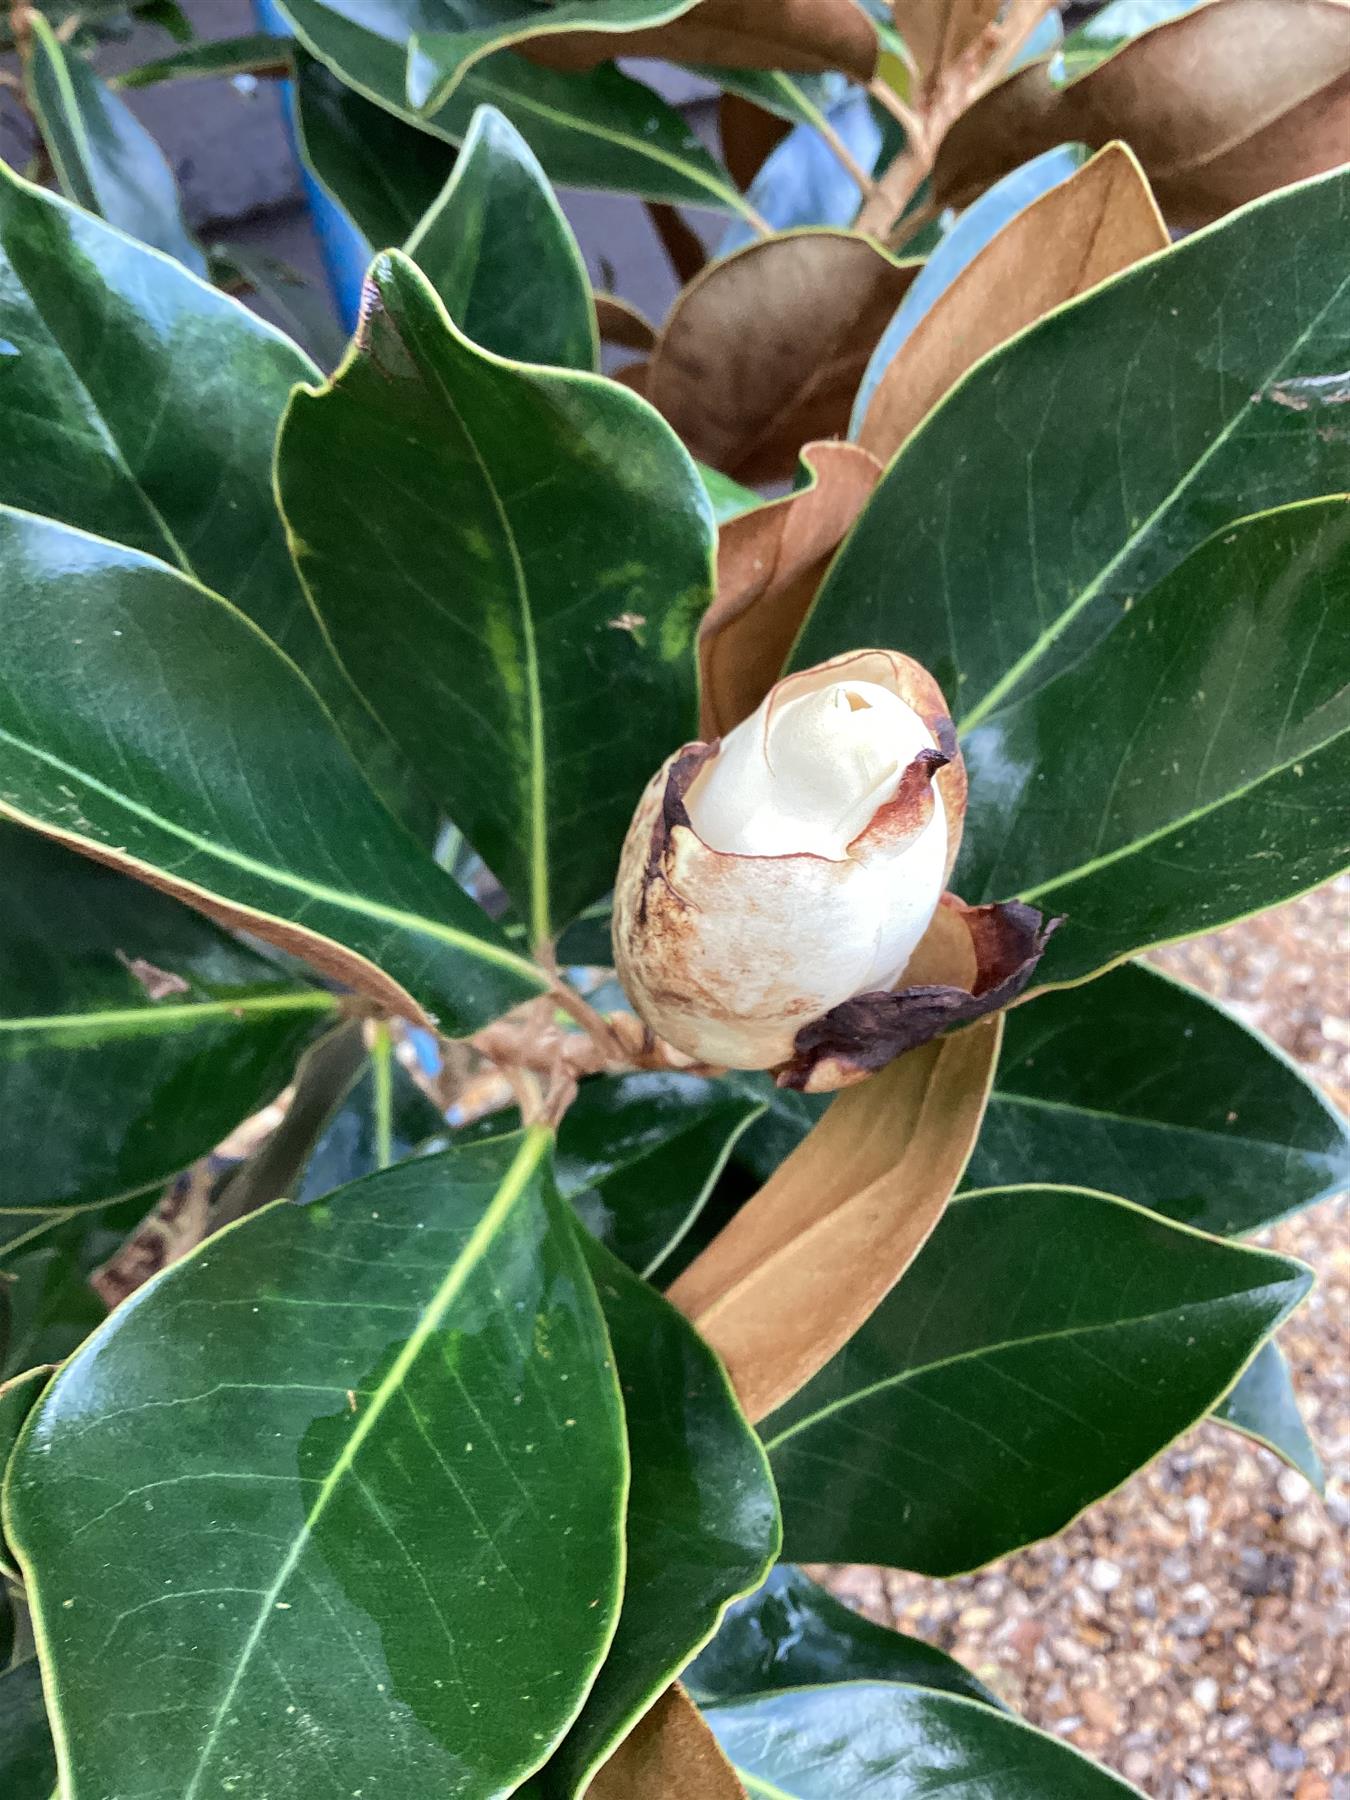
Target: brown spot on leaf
(158, 983)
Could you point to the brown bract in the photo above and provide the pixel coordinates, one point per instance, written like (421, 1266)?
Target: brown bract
(1090, 227)
(670, 1754)
(804, 36)
(765, 349)
(938, 32)
(1220, 105)
(804, 1263)
(770, 563)
(996, 949)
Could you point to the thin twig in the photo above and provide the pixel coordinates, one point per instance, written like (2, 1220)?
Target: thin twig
(847, 160)
(886, 97)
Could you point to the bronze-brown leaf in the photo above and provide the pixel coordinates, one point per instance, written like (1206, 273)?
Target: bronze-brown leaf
(807, 1260)
(770, 562)
(805, 36)
(1090, 227)
(1220, 105)
(623, 324)
(938, 32)
(765, 350)
(748, 134)
(670, 1754)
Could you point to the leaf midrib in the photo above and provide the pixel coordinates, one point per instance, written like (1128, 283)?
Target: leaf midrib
(513, 1185)
(154, 1016)
(859, 1395)
(1013, 675)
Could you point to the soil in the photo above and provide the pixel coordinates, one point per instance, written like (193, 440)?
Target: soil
(1193, 1630)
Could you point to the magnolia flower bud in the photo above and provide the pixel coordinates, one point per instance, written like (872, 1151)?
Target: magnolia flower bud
(775, 885)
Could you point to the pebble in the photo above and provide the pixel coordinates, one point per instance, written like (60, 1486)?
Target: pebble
(1205, 1693)
(1104, 1575)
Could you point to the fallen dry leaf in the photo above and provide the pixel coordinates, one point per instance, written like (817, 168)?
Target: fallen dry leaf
(802, 36)
(808, 1259)
(765, 350)
(770, 562)
(1220, 105)
(1087, 229)
(670, 1754)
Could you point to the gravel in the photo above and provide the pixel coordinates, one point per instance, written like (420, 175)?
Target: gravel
(1192, 1630)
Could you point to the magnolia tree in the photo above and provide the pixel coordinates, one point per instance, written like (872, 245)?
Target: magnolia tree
(724, 1126)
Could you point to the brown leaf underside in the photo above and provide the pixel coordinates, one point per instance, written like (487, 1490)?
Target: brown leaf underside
(1220, 105)
(803, 36)
(670, 1754)
(1090, 227)
(805, 1262)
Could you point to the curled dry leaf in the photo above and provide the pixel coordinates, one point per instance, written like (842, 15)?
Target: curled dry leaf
(765, 350)
(803, 36)
(770, 562)
(796, 1272)
(623, 324)
(1220, 105)
(1088, 228)
(670, 1754)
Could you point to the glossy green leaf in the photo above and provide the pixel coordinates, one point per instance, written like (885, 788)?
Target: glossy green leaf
(383, 171)
(134, 1034)
(638, 1156)
(18, 1396)
(105, 159)
(46, 1260)
(197, 754)
(1264, 1406)
(385, 1119)
(801, 99)
(897, 1743)
(301, 306)
(366, 1462)
(786, 1119)
(1031, 523)
(792, 1633)
(1160, 1092)
(447, 38)
(728, 497)
(535, 673)
(27, 1756)
(1211, 779)
(600, 129)
(1046, 1343)
(498, 251)
(254, 53)
(702, 1516)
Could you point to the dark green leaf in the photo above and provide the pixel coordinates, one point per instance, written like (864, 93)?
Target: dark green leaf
(382, 171)
(801, 99)
(438, 59)
(146, 719)
(18, 1396)
(1165, 1096)
(1211, 779)
(595, 130)
(638, 1156)
(386, 1118)
(344, 1474)
(498, 251)
(536, 675)
(105, 159)
(1263, 1405)
(1030, 523)
(702, 1515)
(134, 1034)
(728, 497)
(787, 1118)
(303, 307)
(897, 1743)
(1045, 1344)
(257, 53)
(47, 1259)
(27, 1757)
(793, 1634)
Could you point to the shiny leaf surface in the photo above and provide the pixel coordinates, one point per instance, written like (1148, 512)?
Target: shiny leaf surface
(47, 1259)
(896, 1743)
(599, 129)
(702, 1523)
(211, 770)
(384, 1119)
(1045, 1344)
(18, 1396)
(498, 251)
(105, 159)
(255, 53)
(360, 1465)
(133, 1033)
(1264, 1406)
(1211, 419)
(638, 1156)
(1165, 1095)
(793, 1633)
(1220, 709)
(27, 1756)
(532, 673)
